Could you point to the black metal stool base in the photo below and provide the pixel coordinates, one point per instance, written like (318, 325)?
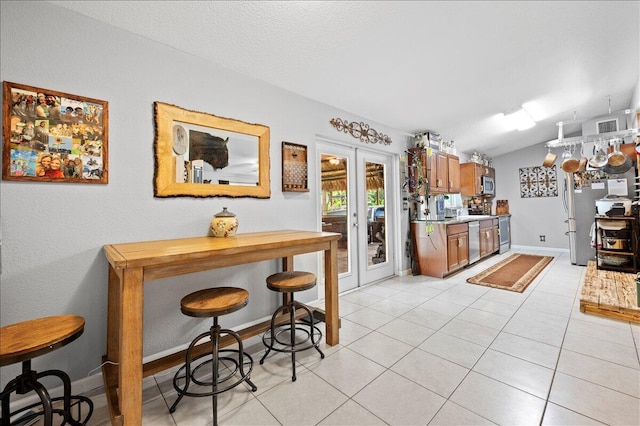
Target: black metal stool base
(237, 358)
(27, 382)
(311, 335)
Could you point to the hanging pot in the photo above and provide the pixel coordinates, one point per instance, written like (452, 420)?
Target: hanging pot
(616, 158)
(549, 159)
(599, 159)
(618, 170)
(569, 164)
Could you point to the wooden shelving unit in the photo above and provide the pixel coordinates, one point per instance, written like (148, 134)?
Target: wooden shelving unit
(628, 255)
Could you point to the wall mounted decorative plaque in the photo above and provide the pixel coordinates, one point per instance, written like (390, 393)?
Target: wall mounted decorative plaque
(538, 181)
(294, 168)
(360, 131)
(51, 136)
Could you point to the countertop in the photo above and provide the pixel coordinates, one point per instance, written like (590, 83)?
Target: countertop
(461, 219)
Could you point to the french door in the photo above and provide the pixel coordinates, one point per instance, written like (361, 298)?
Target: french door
(354, 202)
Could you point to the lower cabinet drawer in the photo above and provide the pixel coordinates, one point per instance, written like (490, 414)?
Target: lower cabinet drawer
(457, 228)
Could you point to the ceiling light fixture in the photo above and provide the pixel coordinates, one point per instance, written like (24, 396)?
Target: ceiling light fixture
(519, 119)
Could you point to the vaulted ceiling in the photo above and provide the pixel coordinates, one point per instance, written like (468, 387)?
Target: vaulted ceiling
(452, 67)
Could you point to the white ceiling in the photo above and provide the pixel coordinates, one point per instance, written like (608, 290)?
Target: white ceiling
(451, 67)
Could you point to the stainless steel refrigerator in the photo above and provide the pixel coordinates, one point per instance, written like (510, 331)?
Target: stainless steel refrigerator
(580, 205)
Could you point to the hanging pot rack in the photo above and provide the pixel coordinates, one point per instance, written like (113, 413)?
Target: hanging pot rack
(562, 142)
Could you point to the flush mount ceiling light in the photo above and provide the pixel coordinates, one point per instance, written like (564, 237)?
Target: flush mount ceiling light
(518, 119)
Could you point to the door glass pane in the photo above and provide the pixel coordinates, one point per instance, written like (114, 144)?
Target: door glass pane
(376, 222)
(335, 212)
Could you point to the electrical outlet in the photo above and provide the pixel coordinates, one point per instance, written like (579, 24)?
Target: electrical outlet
(543, 238)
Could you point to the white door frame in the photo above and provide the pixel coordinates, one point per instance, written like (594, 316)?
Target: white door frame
(357, 274)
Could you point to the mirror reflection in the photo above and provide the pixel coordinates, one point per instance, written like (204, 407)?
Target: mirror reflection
(213, 156)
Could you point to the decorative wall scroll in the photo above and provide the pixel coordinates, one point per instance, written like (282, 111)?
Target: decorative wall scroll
(294, 168)
(538, 181)
(360, 131)
(51, 136)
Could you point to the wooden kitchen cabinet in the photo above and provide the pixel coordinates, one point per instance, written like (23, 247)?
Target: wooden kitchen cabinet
(471, 178)
(457, 247)
(496, 237)
(444, 173)
(453, 165)
(443, 250)
(489, 237)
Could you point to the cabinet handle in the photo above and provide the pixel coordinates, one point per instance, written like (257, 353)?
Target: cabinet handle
(439, 182)
(460, 242)
(450, 183)
(481, 188)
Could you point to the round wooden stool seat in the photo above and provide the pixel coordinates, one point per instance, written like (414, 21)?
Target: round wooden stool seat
(29, 339)
(230, 367)
(23, 341)
(291, 281)
(213, 302)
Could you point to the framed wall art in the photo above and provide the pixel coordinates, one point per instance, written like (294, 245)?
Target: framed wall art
(538, 182)
(202, 155)
(51, 136)
(294, 167)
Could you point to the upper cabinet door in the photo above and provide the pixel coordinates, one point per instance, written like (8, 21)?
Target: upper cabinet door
(453, 164)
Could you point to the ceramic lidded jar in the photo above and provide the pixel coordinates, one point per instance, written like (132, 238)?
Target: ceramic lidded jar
(224, 224)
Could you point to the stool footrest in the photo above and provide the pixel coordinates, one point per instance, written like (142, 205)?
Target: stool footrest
(247, 361)
(280, 345)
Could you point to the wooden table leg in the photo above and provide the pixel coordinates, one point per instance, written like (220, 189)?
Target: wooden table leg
(331, 294)
(130, 371)
(111, 359)
(114, 294)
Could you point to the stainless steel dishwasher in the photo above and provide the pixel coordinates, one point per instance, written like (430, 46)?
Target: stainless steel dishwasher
(474, 241)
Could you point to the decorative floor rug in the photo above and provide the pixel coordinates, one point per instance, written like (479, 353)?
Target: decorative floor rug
(514, 273)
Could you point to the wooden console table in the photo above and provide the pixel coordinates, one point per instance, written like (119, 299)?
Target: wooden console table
(131, 264)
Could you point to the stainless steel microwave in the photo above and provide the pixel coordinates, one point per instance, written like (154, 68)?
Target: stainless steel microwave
(488, 186)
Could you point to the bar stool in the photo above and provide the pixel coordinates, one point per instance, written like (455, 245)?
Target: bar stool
(289, 282)
(23, 341)
(213, 302)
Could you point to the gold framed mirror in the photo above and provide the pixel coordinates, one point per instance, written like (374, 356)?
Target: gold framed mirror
(202, 155)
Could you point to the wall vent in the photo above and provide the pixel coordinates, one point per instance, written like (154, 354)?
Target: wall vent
(607, 126)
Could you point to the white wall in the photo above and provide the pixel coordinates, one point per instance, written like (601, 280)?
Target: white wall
(52, 234)
(531, 217)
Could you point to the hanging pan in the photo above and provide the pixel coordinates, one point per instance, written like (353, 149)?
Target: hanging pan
(549, 159)
(569, 164)
(616, 158)
(618, 170)
(599, 159)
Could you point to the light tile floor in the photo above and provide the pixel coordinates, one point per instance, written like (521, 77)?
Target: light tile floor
(417, 350)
